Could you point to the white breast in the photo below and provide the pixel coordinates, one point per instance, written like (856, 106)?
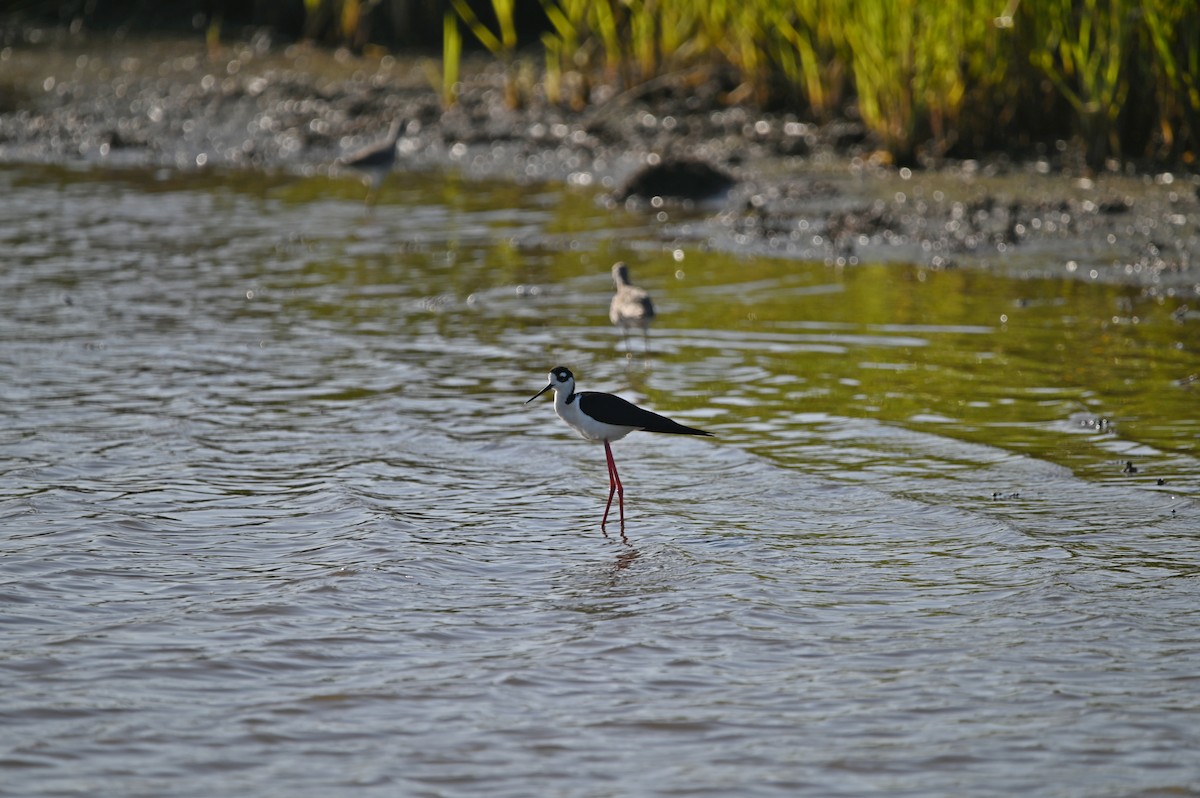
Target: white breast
(584, 424)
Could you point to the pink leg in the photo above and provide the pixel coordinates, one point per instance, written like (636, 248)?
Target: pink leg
(614, 486)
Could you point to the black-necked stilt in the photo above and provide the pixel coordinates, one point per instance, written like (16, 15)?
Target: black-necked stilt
(374, 161)
(630, 306)
(605, 417)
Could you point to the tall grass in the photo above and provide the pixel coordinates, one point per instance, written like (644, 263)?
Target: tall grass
(451, 58)
(927, 77)
(1173, 33)
(337, 20)
(502, 44)
(1084, 46)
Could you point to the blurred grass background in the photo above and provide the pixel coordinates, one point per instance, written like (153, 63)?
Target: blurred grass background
(927, 78)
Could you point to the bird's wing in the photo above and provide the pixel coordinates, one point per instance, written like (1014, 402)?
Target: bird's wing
(619, 412)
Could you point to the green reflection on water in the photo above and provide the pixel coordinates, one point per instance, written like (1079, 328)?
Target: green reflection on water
(1069, 371)
(1023, 365)
(1072, 372)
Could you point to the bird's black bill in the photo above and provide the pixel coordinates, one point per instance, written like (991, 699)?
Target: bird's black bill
(539, 393)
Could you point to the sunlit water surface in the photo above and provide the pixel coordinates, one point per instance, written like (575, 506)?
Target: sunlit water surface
(276, 521)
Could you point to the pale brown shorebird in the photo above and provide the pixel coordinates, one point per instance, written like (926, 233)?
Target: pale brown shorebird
(630, 307)
(374, 162)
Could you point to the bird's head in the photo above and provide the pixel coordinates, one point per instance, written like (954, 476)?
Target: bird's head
(561, 379)
(620, 273)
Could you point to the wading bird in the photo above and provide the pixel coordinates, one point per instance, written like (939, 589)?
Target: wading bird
(374, 162)
(603, 417)
(630, 307)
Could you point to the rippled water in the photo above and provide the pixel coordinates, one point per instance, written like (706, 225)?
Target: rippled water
(276, 521)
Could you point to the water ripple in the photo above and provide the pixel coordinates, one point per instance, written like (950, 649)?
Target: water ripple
(276, 518)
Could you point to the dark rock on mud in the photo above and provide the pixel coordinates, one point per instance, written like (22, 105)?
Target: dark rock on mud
(677, 178)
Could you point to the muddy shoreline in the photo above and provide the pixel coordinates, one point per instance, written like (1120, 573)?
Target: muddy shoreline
(800, 190)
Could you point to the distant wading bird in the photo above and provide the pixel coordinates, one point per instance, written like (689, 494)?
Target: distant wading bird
(630, 307)
(603, 417)
(374, 162)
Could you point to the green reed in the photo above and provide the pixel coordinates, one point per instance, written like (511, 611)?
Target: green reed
(925, 77)
(1173, 33)
(502, 45)
(333, 20)
(929, 78)
(565, 57)
(451, 58)
(1083, 50)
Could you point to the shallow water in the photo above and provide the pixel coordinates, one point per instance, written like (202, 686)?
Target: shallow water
(277, 521)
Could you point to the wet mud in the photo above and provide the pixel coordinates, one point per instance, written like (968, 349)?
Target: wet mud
(679, 148)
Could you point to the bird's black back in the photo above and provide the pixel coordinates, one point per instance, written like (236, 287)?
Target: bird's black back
(614, 410)
(377, 155)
